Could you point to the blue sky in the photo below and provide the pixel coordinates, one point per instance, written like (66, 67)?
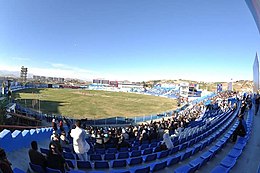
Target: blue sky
(136, 40)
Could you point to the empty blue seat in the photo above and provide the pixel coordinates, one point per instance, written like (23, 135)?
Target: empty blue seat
(196, 148)
(206, 155)
(135, 161)
(153, 144)
(150, 157)
(71, 163)
(183, 146)
(68, 156)
(109, 156)
(147, 151)
(174, 150)
(185, 169)
(158, 166)
(84, 164)
(36, 168)
(141, 169)
(50, 170)
(95, 157)
(101, 165)
(100, 151)
(187, 154)
(228, 162)
(136, 153)
(124, 155)
(144, 146)
(124, 149)
(17, 170)
(163, 154)
(214, 149)
(219, 169)
(235, 153)
(197, 162)
(173, 160)
(118, 163)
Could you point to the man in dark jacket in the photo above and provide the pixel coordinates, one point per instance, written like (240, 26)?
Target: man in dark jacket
(36, 157)
(241, 129)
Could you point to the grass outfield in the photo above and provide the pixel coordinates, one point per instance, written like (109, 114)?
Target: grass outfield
(93, 104)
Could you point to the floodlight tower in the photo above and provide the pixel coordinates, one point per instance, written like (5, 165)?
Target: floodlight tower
(23, 74)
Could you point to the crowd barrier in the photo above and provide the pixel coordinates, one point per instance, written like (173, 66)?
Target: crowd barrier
(17, 139)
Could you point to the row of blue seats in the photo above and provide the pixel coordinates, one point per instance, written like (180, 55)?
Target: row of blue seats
(11, 141)
(230, 160)
(152, 166)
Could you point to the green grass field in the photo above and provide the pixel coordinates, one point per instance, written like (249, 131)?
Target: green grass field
(93, 104)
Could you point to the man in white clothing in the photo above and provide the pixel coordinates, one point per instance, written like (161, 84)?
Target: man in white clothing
(80, 145)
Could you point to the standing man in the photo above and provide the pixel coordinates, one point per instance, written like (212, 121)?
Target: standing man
(80, 145)
(257, 102)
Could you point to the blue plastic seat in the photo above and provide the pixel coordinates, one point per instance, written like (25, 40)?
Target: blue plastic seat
(124, 149)
(141, 169)
(71, 163)
(84, 164)
(185, 169)
(183, 146)
(68, 156)
(197, 162)
(153, 144)
(101, 165)
(112, 150)
(173, 160)
(100, 151)
(163, 154)
(36, 168)
(196, 149)
(124, 155)
(214, 149)
(206, 155)
(136, 153)
(150, 157)
(219, 169)
(158, 166)
(95, 157)
(147, 151)
(228, 162)
(118, 163)
(109, 156)
(144, 146)
(235, 153)
(50, 170)
(187, 154)
(17, 170)
(135, 161)
(44, 151)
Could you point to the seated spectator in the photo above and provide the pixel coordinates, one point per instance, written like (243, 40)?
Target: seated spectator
(240, 130)
(63, 140)
(122, 143)
(167, 140)
(36, 157)
(55, 160)
(144, 137)
(56, 140)
(5, 165)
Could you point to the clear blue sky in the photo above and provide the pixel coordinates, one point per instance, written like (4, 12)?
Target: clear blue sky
(138, 40)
